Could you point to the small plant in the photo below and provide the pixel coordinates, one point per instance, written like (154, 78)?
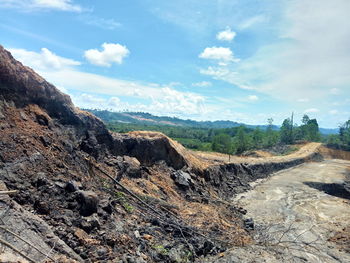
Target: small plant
(121, 198)
(161, 249)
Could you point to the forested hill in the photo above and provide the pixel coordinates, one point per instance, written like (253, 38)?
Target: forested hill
(149, 119)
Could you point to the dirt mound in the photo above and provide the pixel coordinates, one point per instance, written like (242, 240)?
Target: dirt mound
(330, 153)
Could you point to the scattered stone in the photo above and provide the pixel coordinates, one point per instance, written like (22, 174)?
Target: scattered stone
(41, 207)
(147, 237)
(73, 186)
(182, 179)
(106, 205)
(45, 140)
(2, 116)
(137, 234)
(88, 201)
(129, 166)
(249, 224)
(23, 116)
(89, 223)
(42, 180)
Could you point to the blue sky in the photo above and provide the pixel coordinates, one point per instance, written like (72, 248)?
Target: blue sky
(235, 60)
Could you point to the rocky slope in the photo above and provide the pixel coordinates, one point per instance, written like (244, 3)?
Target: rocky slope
(83, 194)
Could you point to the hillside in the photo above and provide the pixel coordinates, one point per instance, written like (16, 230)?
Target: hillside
(149, 119)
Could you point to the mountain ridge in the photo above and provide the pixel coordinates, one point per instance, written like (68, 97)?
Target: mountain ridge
(148, 118)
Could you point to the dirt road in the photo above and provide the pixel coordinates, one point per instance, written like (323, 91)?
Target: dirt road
(295, 212)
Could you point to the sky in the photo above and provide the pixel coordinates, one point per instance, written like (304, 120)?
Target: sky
(238, 60)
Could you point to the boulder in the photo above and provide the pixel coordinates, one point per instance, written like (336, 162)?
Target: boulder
(128, 166)
(182, 179)
(73, 186)
(88, 201)
(89, 223)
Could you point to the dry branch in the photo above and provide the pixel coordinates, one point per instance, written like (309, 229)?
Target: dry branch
(25, 241)
(16, 250)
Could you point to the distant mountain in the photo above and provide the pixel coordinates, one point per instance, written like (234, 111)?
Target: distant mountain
(147, 118)
(328, 131)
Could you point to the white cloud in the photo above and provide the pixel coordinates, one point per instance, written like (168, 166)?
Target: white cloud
(156, 98)
(226, 35)
(225, 74)
(108, 24)
(252, 21)
(171, 103)
(303, 100)
(45, 60)
(32, 5)
(311, 110)
(111, 53)
(333, 112)
(253, 98)
(218, 53)
(202, 84)
(299, 63)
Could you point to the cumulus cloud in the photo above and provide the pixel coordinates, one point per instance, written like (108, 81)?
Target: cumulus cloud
(226, 35)
(111, 53)
(170, 102)
(202, 84)
(44, 60)
(32, 5)
(253, 98)
(223, 54)
(156, 98)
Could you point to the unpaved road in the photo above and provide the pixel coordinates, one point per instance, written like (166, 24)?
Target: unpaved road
(295, 212)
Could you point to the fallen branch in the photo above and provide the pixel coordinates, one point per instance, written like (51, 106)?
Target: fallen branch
(16, 250)
(25, 241)
(8, 192)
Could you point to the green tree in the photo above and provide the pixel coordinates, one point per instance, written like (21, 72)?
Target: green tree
(305, 119)
(344, 134)
(241, 141)
(312, 131)
(222, 143)
(333, 140)
(271, 137)
(286, 132)
(257, 137)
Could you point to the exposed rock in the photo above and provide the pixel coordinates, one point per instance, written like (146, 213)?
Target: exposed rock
(73, 186)
(182, 179)
(89, 223)
(88, 201)
(32, 229)
(128, 166)
(23, 116)
(249, 224)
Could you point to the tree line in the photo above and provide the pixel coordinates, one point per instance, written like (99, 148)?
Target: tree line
(237, 140)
